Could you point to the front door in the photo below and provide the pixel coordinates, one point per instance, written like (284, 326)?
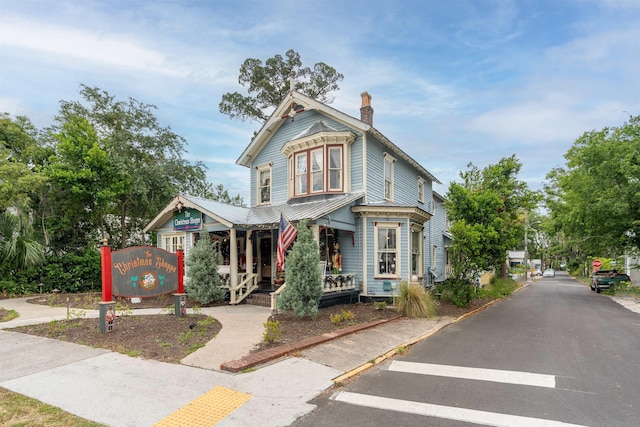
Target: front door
(265, 259)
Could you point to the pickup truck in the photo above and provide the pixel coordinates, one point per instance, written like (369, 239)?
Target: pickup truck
(605, 279)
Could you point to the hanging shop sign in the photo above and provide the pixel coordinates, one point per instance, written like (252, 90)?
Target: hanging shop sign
(187, 219)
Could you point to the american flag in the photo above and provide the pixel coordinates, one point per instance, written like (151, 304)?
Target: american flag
(286, 234)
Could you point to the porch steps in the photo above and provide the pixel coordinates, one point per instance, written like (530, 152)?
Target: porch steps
(259, 298)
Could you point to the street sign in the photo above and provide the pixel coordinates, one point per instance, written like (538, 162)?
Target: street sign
(596, 263)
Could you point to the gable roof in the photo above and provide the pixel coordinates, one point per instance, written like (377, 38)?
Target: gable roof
(296, 102)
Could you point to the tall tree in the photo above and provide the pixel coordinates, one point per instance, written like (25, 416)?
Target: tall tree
(487, 213)
(268, 84)
(145, 158)
(80, 175)
(19, 175)
(594, 198)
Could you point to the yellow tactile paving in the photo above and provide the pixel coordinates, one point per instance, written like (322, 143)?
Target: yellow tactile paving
(207, 410)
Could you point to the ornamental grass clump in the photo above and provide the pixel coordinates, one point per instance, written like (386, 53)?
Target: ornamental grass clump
(413, 301)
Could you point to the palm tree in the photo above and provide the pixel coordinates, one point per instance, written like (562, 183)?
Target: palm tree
(19, 248)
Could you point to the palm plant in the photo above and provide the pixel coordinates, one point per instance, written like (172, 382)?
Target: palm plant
(19, 247)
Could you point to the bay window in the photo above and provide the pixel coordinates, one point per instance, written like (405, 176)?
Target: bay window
(318, 161)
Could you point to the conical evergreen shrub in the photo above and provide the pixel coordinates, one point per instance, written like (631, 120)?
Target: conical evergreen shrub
(302, 276)
(203, 281)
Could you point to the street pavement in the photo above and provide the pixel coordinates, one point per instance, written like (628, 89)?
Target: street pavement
(118, 390)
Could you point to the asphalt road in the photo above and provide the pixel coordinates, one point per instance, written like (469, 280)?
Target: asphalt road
(554, 353)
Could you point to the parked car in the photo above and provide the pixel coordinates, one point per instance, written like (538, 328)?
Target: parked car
(549, 272)
(537, 272)
(609, 280)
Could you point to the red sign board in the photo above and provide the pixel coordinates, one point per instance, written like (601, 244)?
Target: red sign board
(596, 263)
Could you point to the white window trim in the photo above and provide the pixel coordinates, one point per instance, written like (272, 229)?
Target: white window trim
(398, 260)
(322, 170)
(417, 230)
(172, 246)
(296, 175)
(434, 257)
(391, 160)
(259, 170)
(340, 187)
(421, 186)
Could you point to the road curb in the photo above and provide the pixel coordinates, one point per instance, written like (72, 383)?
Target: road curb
(264, 356)
(350, 374)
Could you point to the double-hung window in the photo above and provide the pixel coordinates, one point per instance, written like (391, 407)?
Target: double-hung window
(317, 170)
(387, 250)
(264, 185)
(335, 168)
(416, 252)
(388, 177)
(420, 190)
(301, 173)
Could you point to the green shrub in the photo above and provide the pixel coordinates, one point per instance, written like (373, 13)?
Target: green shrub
(413, 301)
(499, 288)
(459, 292)
(272, 331)
(380, 305)
(77, 271)
(343, 316)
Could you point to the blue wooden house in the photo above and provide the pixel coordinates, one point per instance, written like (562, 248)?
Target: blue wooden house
(370, 205)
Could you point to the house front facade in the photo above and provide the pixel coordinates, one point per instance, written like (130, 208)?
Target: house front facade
(371, 206)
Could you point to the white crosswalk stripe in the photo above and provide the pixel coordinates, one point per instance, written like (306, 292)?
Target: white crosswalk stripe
(493, 375)
(448, 412)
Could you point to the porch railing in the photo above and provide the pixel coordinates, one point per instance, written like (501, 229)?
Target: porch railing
(247, 283)
(330, 283)
(338, 282)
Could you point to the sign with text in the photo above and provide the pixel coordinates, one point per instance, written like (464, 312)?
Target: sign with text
(187, 219)
(144, 271)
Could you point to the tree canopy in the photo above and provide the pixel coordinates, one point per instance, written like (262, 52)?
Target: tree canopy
(122, 159)
(268, 84)
(487, 213)
(595, 199)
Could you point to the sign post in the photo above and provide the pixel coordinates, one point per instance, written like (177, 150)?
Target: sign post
(180, 298)
(596, 263)
(107, 305)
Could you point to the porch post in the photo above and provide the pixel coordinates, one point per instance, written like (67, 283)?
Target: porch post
(233, 262)
(315, 229)
(249, 252)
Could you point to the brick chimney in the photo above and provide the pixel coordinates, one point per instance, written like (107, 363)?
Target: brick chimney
(366, 111)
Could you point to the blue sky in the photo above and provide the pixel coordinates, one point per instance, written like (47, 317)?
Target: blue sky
(452, 82)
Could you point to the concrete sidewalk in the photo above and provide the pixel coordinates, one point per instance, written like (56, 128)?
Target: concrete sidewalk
(118, 390)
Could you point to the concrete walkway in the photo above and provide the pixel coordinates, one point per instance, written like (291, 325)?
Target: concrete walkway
(119, 390)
